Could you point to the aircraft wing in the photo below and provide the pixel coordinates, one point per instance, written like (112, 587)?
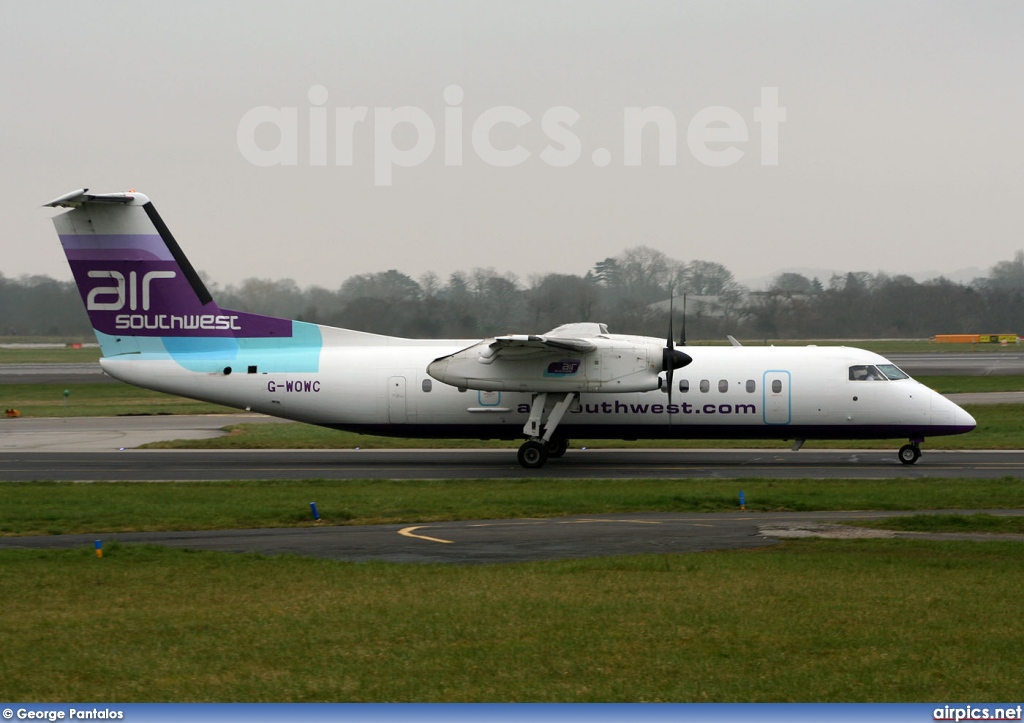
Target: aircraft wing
(548, 343)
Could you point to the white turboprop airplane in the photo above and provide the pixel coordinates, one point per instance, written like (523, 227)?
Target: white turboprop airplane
(159, 328)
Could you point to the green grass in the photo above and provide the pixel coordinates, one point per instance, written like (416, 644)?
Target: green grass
(49, 356)
(875, 620)
(979, 522)
(97, 400)
(973, 385)
(67, 507)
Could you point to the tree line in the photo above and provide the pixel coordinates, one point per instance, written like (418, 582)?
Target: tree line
(629, 292)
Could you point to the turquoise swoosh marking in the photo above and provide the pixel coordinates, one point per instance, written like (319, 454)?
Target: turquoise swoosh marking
(298, 353)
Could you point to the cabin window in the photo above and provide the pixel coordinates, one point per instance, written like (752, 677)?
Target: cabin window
(252, 368)
(866, 373)
(776, 386)
(684, 385)
(723, 386)
(892, 372)
(705, 385)
(751, 386)
(427, 385)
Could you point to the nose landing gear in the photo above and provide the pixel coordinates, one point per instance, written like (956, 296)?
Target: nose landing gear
(910, 453)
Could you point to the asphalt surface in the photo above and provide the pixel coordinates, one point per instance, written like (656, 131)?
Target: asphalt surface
(106, 434)
(477, 542)
(198, 465)
(80, 373)
(970, 364)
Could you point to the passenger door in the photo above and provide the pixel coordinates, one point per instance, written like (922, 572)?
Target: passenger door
(777, 397)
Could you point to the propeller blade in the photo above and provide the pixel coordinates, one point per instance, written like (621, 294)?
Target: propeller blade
(666, 355)
(682, 332)
(671, 322)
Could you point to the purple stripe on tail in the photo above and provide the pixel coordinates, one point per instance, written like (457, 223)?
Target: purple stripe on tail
(129, 246)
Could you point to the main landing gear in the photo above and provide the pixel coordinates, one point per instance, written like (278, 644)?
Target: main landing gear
(541, 443)
(534, 453)
(910, 453)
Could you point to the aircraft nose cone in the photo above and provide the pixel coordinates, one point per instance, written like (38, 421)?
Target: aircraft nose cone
(964, 419)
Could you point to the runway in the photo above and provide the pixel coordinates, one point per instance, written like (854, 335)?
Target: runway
(202, 465)
(477, 542)
(955, 363)
(102, 448)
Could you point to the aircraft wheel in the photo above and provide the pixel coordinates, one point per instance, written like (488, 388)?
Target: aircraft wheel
(557, 446)
(909, 453)
(533, 454)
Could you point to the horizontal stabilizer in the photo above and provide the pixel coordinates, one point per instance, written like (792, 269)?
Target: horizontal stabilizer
(75, 199)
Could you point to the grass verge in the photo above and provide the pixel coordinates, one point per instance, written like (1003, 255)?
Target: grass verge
(948, 523)
(97, 400)
(67, 507)
(824, 621)
(67, 355)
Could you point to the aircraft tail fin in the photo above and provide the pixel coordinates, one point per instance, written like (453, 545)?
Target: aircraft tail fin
(139, 289)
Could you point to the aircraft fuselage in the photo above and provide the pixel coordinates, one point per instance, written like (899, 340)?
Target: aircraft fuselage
(730, 392)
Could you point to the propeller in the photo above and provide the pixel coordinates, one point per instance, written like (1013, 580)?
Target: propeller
(671, 358)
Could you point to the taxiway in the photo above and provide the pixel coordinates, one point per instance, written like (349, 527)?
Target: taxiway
(470, 542)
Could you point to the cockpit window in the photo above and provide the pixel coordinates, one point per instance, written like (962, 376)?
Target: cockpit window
(893, 372)
(865, 373)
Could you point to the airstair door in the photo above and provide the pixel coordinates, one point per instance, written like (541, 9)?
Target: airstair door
(398, 411)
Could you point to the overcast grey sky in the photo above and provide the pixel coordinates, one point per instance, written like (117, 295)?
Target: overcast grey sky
(901, 149)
